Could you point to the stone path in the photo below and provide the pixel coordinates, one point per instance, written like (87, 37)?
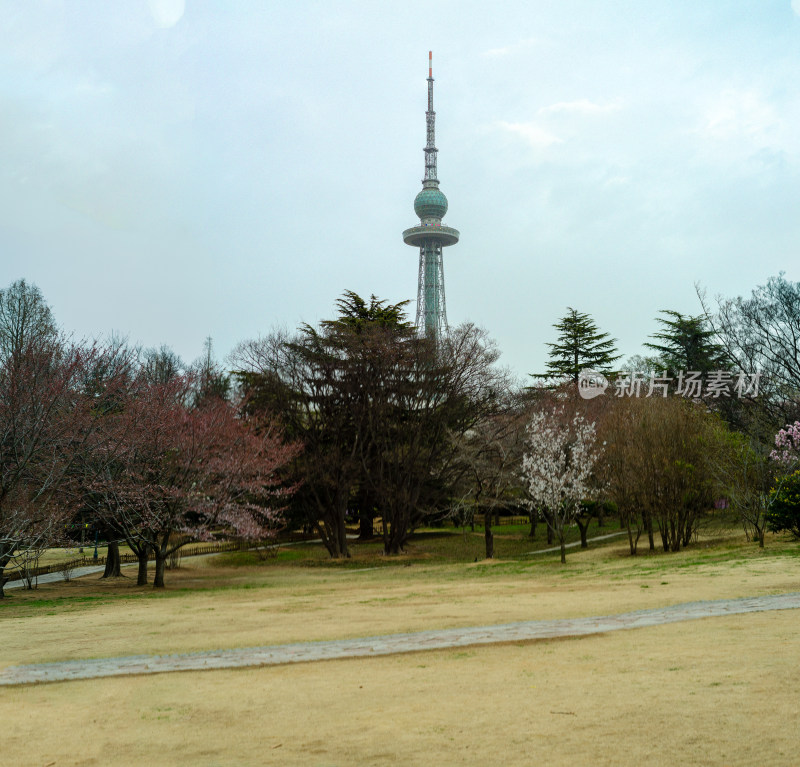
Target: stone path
(389, 644)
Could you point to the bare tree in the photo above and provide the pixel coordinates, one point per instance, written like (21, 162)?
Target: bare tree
(491, 452)
(658, 464)
(761, 334)
(621, 471)
(47, 414)
(162, 365)
(744, 474)
(24, 316)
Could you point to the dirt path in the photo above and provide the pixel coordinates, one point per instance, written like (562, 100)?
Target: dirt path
(389, 644)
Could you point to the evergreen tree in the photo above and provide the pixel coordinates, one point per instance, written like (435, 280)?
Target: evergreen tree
(379, 410)
(355, 314)
(685, 343)
(580, 346)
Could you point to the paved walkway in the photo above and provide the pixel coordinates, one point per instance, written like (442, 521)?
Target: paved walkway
(389, 644)
(575, 544)
(53, 577)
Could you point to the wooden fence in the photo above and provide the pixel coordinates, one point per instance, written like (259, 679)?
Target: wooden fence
(479, 518)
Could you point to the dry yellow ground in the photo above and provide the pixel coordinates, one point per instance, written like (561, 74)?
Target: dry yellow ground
(720, 691)
(298, 604)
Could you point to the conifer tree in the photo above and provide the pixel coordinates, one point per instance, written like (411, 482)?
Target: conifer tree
(580, 346)
(686, 344)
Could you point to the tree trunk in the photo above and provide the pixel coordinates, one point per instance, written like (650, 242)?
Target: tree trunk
(488, 535)
(334, 538)
(161, 566)
(394, 540)
(366, 530)
(366, 511)
(532, 533)
(4, 560)
(141, 578)
(28, 577)
(583, 527)
(648, 522)
(112, 561)
(392, 548)
(689, 528)
(342, 530)
(631, 542)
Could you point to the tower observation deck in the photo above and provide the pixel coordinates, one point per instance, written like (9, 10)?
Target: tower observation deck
(430, 236)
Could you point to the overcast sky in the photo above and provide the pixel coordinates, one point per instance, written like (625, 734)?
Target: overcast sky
(174, 170)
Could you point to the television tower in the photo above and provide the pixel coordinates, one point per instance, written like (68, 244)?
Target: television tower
(430, 236)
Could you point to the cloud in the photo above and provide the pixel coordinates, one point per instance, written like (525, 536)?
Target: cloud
(531, 132)
(167, 13)
(538, 135)
(741, 115)
(580, 107)
(796, 6)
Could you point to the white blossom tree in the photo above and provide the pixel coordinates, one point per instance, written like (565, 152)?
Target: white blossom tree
(557, 466)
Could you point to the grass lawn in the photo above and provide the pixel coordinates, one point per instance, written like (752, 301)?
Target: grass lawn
(720, 691)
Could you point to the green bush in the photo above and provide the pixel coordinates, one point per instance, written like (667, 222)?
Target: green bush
(784, 507)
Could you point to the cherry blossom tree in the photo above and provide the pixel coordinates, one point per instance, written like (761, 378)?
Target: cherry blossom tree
(783, 499)
(558, 465)
(181, 474)
(787, 445)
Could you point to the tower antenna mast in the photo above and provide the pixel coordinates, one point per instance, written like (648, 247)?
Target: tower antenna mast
(430, 123)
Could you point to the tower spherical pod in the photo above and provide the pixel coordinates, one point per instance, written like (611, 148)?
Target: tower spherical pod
(430, 203)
